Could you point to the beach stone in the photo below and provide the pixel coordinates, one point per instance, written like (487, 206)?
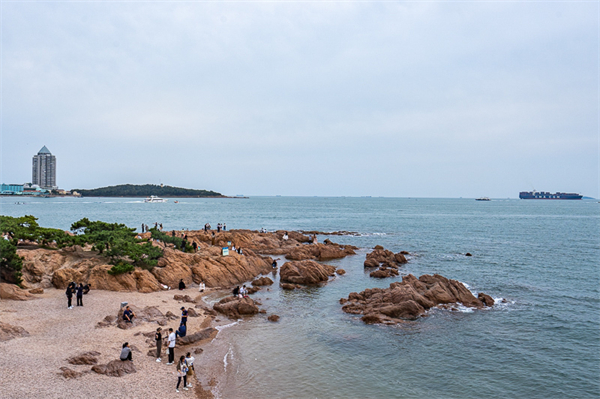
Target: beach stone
(287, 286)
(8, 332)
(468, 254)
(273, 318)
(384, 272)
(115, 368)
(13, 292)
(70, 374)
(84, 358)
(371, 318)
(171, 316)
(192, 312)
(486, 299)
(36, 291)
(184, 298)
(197, 351)
(262, 281)
(340, 272)
(306, 272)
(383, 257)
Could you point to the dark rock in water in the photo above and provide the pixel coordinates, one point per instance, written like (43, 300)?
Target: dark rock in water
(197, 336)
(340, 272)
(262, 281)
(383, 272)
(468, 254)
(234, 307)
(252, 290)
(305, 272)
(486, 299)
(8, 332)
(84, 358)
(287, 286)
(69, 374)
(404, 252)
(115, 368)
(273, 318)
(410, 299)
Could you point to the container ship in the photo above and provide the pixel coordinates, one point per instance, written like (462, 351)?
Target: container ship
(550, 196)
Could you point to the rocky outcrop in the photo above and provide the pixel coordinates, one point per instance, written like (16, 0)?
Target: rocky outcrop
(274, 318)
(409, 299)
(321, 252)
(115, 368)
(234, 308)
(290, 287)
(184, 298)
(13, 292)
(197, 336)
(84, 358)
(305, 272)
(68, 373)
(386, 261)
(36, 291)
(8, 332)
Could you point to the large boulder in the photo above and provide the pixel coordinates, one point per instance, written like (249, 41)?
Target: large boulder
(262, 281)
(411, 298)
(13, 292)
(115, 368)
(234, 307)
(385, 259)
(305, 272)
(84, 358)
(197, 336)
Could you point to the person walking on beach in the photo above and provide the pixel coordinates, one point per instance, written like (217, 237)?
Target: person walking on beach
(184, 316)
(182, 369)
(126, 352)
(158, 339)
(69, 294)
(172, 339)
(80, 295)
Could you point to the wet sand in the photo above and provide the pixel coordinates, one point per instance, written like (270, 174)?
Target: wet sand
(30, 366)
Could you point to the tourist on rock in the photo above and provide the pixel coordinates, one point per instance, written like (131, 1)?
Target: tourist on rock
(244, 292)
(172, 338)
(158, 339)
(128, 315)
(184, 315)
(182, 369)
(189, 359)
(69, 294)
(195, 246)
(201, 286)
(212, 242)
(86, 288)
(181, 285)
(218, 227)
(274, 264)
(224, 227)
(285, 236)
(80, 295)
(160, 226)
(142, 227)
(182, 331)
(236, 291)
(126, 352)
(240, 251)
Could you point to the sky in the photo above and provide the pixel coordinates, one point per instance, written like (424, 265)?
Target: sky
(395, 99)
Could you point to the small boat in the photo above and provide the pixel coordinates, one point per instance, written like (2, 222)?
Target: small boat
(482, 199)
(154, 198)
(177, 202)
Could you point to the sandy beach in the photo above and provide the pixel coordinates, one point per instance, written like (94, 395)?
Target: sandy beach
(30, 366)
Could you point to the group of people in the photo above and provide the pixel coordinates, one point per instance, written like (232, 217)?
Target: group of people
(157, 225)
(185, 365)
(79, 291)
(240, 292)
(220, 226)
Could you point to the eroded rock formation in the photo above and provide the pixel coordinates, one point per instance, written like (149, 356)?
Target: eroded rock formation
(305, 272)
(386, 261)
(410, 299)
(11, 291)
(8, 332)
(115, 368)
(233, 307)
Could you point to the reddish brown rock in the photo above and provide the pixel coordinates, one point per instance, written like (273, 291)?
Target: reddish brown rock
(410, 299)
(8, 332)
(84, 358)
(384, 272)
(262, 281)
(115, 368)
(67, 373)
(36, 291)
(273, 318)
(234, 307)
(384, 258)
(197, 336)
(287, 286)
(305, 272)
(340, 272)
(184, 298)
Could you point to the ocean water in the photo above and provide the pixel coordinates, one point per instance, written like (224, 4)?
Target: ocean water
(541, 256)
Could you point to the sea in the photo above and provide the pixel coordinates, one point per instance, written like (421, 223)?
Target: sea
(538, 259)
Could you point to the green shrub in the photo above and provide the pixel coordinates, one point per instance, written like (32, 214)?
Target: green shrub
(121, 268)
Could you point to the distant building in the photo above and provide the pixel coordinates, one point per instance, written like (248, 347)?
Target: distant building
(44, 169)
(14, 189)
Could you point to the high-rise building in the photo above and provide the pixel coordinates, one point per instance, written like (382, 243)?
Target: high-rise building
(44, 169)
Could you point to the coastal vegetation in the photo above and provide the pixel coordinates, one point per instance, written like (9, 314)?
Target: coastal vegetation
(170, 239)
(146, 190)
(114, 240)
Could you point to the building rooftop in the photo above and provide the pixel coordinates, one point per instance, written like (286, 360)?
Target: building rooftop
(44, 150)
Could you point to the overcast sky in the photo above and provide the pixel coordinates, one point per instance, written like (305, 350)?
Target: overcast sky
(433, 99)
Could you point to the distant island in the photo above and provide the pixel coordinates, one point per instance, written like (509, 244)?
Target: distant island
(146, 190)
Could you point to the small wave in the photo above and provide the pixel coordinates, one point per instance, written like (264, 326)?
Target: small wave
(228, 354)
(220, 328)
(370, 234)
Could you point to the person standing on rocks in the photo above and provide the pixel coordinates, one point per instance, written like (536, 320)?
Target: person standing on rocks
(69, 294)
(182, 369)
(184, 316)
(181, 285)
(158, 339)
(80, 295)
(172, 339)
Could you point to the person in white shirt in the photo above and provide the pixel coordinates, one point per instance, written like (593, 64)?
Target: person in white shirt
(201, 286)
(189, 359)
(171, 340)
